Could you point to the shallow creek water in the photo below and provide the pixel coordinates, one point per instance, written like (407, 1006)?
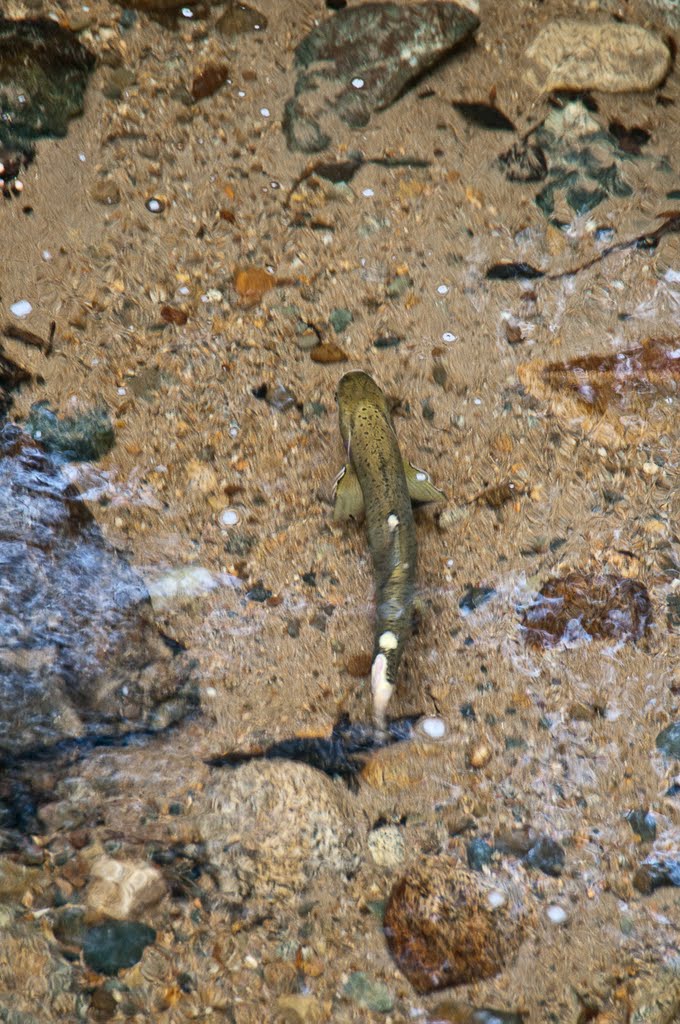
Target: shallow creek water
(194, 266)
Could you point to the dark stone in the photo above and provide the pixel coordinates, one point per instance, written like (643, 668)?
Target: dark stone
(109, 948)
(479, 854)
(387, 341)
(547, 855)
(281, 398)
(668, 740)
(643, 824)
(656, 872)
(474, 598)
(258, 593)
(82, 438)
(80, 653)
(388, 47)
(48, 67)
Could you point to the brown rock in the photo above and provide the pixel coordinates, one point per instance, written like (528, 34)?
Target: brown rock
(446, 925)
(208, 80)
(615, 397)
(328, 353)
(601, 606)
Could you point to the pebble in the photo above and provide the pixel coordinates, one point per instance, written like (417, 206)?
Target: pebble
(474, 598)
(444, 928)
(479, 854)
(548, 856)
(479, 755)
(668, 740)
(108, 948)
(123, 889)
(386, 846)
(556, 914)
(612, 57)
(434, 728)
(340, 319)
(21, 308)
(655, 872)
(370, 994)
(328, 353)
(228, 517)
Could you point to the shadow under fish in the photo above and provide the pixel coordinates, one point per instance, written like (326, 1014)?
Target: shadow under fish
(342, 754)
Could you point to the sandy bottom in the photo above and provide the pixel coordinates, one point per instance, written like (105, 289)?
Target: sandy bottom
(571, 731)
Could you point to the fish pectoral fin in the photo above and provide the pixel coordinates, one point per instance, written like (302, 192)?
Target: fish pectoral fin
(347, 494)
(420, 487)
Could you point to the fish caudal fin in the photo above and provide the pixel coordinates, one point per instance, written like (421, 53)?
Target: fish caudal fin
(381, 688)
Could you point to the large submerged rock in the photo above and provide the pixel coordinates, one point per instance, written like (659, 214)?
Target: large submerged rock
(44, 70)
(80, 653)
(363, 59)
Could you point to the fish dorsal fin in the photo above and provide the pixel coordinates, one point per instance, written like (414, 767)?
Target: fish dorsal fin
(420, 487)
(347, 495)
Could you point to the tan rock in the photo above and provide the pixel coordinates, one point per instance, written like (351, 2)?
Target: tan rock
(123, 889)
(573, 54)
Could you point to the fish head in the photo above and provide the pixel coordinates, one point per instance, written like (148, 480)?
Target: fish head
(356, 390)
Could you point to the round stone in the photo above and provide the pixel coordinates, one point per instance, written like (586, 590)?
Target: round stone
(446, 925)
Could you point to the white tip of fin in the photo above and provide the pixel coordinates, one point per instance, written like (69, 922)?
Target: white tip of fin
(381, 688)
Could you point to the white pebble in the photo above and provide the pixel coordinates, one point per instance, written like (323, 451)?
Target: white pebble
(447, 336)
(122, 391)
(358, 83)
(46, 255)
(433, 727)
(264, 111)
(556, 914)
(153, 206)
(496, 899)
(368, 192)
(443, 289)
(240, 94)
(21, 308)
(228, 517)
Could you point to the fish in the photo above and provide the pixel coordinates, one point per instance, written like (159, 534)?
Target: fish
(378, 485)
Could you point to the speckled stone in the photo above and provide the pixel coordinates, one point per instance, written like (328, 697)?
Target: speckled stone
(574, 54)
(272, 826)
(446, 925)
